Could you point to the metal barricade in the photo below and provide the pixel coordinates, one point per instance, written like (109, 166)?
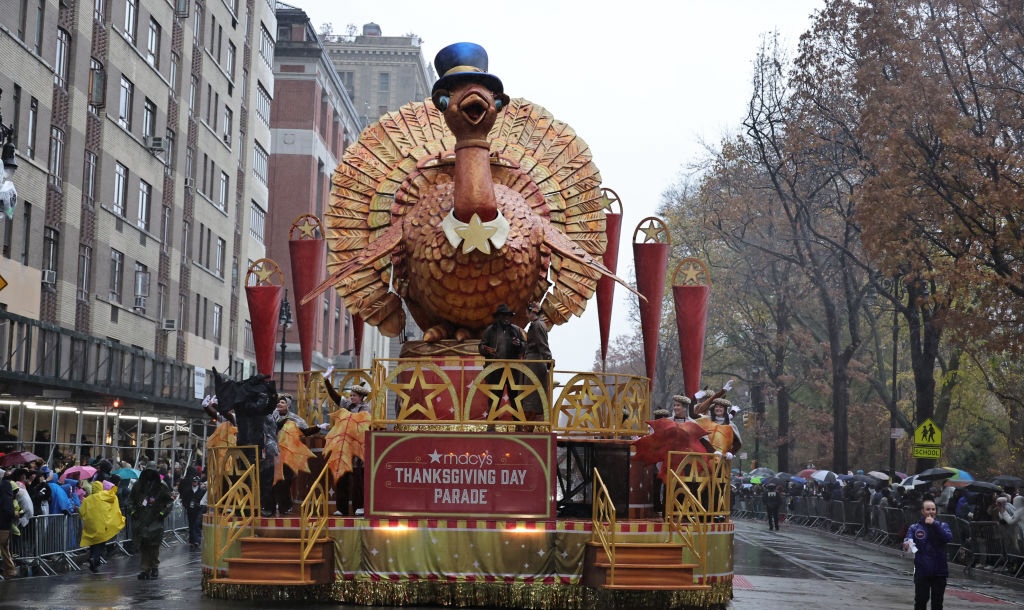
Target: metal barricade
(986, 546)
(175, 523)
(48, 543)
(853, 518)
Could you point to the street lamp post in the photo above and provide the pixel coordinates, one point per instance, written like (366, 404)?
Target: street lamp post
(285, 321)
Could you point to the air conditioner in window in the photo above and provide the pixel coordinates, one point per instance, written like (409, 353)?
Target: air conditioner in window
(170, 324)
(190, 182)
(140, 302)
(155, 144)
(227, 139)
(49, 276)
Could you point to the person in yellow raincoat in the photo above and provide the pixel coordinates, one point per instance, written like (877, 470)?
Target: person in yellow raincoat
(101, 521)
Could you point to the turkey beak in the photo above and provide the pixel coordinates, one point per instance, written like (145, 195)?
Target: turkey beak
(474, 107)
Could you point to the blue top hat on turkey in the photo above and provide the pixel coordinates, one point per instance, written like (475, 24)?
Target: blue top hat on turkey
(462, 62)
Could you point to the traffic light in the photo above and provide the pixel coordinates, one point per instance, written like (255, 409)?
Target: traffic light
(117, 403)
(746, 419)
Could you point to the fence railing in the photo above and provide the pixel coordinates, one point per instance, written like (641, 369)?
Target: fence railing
(50, 544)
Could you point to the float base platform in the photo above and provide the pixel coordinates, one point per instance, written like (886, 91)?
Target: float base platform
(495, 563)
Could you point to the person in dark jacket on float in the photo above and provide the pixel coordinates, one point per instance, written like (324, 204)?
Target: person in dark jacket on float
(927, 539)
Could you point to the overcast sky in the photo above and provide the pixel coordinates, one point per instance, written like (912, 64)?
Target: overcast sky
(643, 82)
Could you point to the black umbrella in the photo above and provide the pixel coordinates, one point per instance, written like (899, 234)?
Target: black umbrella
(934, 474)
(983, 487)
(783, 476)
(1009, 480)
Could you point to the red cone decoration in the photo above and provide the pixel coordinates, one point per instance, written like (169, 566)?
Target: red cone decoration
(264, 298)
(650, 257)
(606, 285)
(690, 290)
(307, 250)
(357, 337)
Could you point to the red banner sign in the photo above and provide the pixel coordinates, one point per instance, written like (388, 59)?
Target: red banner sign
(439, 474)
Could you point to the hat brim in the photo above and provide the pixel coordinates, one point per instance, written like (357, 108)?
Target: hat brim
(450, 81)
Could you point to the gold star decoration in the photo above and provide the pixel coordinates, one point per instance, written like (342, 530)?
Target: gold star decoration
(307, 228)
(607, 199)
(692, 274)
(654, 232)
(263, 274)
(495, 391)
(417, 394)
(584, 400)
(475, 235)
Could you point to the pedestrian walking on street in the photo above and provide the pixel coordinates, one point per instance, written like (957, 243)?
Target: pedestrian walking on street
(148, 504)
(772, 503)
(101, 521)
(927, 540)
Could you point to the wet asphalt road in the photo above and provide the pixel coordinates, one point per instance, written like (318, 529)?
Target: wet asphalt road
(792, 569)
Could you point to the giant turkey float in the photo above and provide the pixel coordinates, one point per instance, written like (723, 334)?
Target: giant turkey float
(445, 209)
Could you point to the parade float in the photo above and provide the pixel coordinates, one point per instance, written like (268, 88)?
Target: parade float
(445, 209)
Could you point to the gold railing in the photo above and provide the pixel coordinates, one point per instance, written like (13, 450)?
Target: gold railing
(697, 494)
(313, 516)
(233, 485)
(603, 517)
(407, 392)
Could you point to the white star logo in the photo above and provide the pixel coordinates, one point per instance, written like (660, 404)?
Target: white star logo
(435, 457)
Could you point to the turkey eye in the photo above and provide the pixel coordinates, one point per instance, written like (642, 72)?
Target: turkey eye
(442, 102)
(498, 104)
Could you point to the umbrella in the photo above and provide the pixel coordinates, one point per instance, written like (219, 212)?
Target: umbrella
(18, 457)
(767, 472)
(86, 472)
(783, 476)
(1009, 480)
(982, 486)
(881, 476)
(126, 473)
(758, 478)
(934, 474)
(824, 476)
(806, 472)
(845, 477)
(900, 475)
(959, 478)
(868, 480)
(914, 481)
(800, 480)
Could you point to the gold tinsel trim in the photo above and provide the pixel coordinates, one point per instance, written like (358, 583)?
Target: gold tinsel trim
(467, 594)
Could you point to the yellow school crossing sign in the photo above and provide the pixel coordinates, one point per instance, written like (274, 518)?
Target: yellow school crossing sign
(3, 282)
(928, 440)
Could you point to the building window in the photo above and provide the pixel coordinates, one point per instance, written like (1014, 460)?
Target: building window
(230, 60)
(89, 179)
(51, 241)
(141, 286)
(384, 89)
(348, 81)
(148, 118)
(124, 107)
(120, 189)
(217, 310)
(193, 92)
(97, 86)
(197, 24)
(40, 22)
(84, 272)
(218, 258)
(175, 68)
(153, 44)
(266, 46)
(56, 163)
(257, 221)
(222, 195)
(131, 19)
(229, 120)
(145, 198)
(116, 275)
(99, 10)
(263, 100)
(260, 162)
(165, 228)
(60, 68)
(33, 123)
